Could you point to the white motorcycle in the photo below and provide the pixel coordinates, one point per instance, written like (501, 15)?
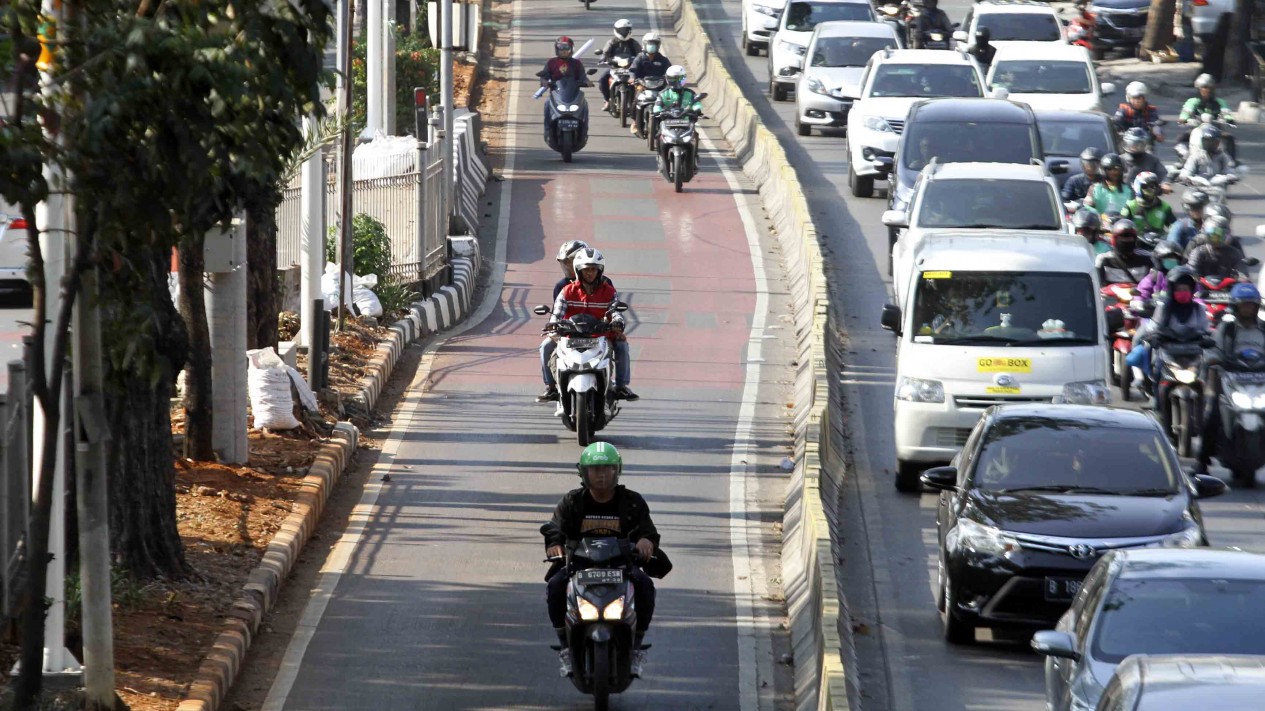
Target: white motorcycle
(584, 369)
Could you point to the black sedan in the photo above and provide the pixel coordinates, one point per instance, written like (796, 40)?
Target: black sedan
(1064, 134)
(1038, 494)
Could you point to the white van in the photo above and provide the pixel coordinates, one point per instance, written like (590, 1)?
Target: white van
(992, 319)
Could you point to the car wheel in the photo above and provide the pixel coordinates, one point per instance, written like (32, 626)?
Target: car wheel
(861, 185)
(802, 128)
(940, 585)
(956, 631)
(779, 92)
(907, 474)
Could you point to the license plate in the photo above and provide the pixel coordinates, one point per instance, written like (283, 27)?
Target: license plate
(600, 576)
(566, 124)
(581, 344)
(1217, 297)
(1062, 589)
(677, 123)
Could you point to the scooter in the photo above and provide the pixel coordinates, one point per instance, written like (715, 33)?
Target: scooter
(1123, 297)
(1186, 148)
(1179, 389)
(933, 39)
(1241, 443)
(566, 115)
(584, 369)
(601, 616)
(678, 145)
(1080, 29)
(1217, 186)
(621, 103)
(893, 13)
(650, 88)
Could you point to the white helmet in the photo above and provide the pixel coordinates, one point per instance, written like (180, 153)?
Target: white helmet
(1205, 81)
(649, 37)
(1135, 88)
(623, 29)
(589, 257)
(675, 76)
(569, 248)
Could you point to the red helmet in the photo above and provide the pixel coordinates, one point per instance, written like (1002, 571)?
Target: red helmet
(563, 44)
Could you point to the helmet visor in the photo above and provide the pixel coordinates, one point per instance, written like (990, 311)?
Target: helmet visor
(623, 32)
(652, 46)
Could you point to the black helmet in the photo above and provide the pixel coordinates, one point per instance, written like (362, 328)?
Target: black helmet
(982, 35)
(1091, 155)
(1086, 219)
(1194, 198)
(1210, 139)
(1110, 161)
(1166, 256)
(1182, 275)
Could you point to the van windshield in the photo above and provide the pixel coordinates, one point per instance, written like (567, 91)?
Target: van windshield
(987, 203)
(967, 141)
(1020, 27)
(804, 16)
(1005, 308)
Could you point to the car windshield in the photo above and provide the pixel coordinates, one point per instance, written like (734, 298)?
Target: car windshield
(1062, 455)
(985, 204)
(1005, 308)
(848, 51)
(1020, 27)
(967, 141)
(923, 80)
(804, 16)
(1180, 616)
(1060, 137)
(1042, 77)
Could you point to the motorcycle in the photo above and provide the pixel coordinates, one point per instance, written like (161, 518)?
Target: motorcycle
(601, 616)
(566, 116)
(1216, 187)
(1179, 389)
(678, 145)
(1214, 292)
(1186, 148)
(1080, 30)
(1241, 442)
(621, 103)
(934, 39)
(1124, 297)
(584, 369)
(650, 88)
(893, 13)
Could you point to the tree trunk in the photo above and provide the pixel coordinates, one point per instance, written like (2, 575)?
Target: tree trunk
(1214, 60)
(261, 260)
(144, 538)
(198, 413)
(1237, 59)
(1159, 26)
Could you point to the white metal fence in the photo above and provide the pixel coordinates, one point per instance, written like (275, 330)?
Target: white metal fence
(15, 485)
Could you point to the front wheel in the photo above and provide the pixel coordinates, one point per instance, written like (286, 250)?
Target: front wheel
(566, 145)
(862, 186)
(956, 631)
(678, 170)
(601, 669)
(583, 420)
(1183, 419)
(623, 109)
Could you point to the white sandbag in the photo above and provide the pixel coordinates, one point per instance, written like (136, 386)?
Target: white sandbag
(268, 382)
(306, 396)
(384, 156)
(329, 289)
(367, 302)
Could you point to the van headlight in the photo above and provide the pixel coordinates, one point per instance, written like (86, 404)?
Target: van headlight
(919, 390)
(878, 123)
(1086, 392)
(588, 611)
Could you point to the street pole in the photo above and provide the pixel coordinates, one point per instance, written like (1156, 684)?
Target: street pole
(312, 191)
(388, 72)
(226, 307)
(345, 267)
(374, 57)
(446, 88)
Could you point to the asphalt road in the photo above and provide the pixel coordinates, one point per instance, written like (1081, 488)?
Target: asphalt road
(434, 598)
(889, 539)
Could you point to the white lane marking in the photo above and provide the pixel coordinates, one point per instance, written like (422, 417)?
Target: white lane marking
(742, 549)
(340, 557)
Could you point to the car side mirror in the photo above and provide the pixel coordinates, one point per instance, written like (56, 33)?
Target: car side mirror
(542, 310)
(957, 25)
(959, 35)
(770, 24)
(621, 306)
(895, 218)
(1052, 643)
(1108, 87)
(940, 478)
(1208, 486)
(1115, 320)
(1000, 92)
(891, 318)
(1058, 167)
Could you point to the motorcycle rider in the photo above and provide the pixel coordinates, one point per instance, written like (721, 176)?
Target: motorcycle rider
(563, 64)
(1112, 193)
(1188, 227)
(675, 94)
(1088, 224)
(981, 49)
(1124, 264)
(650, 63)
(601, 506)
(592, 294)
(1211, 161)
(1146, 209)
(1178, 317)
(1206, 102)
(1214, 256)
(566, 253)
(1165, 258)
(1245, 330)
(1078, 186)
(621, 45)
(1139, 160)
(931, 19)
(1136, 111)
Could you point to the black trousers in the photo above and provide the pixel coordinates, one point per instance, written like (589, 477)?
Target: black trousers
(1211, 430)
(556, 597)
(604, 83)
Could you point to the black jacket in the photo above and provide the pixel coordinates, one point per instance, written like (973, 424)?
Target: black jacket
(646, 66)
(634, 518)
(621, 48)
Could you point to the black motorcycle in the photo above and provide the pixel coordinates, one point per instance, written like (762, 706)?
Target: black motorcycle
(1241, 445)
(1179, 389)
(622, 102)
(678, 144)
(601, 616)
(567, 116)
(650, 88)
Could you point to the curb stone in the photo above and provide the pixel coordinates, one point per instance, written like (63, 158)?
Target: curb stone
(220, 668)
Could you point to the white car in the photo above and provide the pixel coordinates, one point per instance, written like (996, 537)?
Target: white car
(965, 197)
(14, 258)
(1048, 77)
(1205, 15)
(1012, 22)
(759, 20)
(795, 27)
(831, 79)
(894, 80)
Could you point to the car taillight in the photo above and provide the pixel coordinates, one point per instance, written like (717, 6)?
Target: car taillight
(18, 224)
(1200, 3)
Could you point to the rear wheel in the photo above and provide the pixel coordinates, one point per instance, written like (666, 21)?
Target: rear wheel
(1124, 375)
(601, 669)
(588, 4)
(907, 474)
(752, 49)
(860, 185)
(777, 90)
(678, 171)
(583, 421)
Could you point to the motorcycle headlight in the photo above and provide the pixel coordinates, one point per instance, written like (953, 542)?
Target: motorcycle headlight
(563, 107)
(919, 390)
(877, 123)
(765, 10)
(1241, 400)
(573, 107)
(588, 611)
(1087, 392)
(795, 49)
(814, 85)
(614, 611)
(977, 537)
(1185, 376)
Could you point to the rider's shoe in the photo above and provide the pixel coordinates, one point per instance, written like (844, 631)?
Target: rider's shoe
(564, 662)
(638, 662)
(549, 395)
(623, 393)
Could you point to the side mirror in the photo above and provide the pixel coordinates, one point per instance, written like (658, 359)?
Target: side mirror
(1208, 486)
(1252, 262)
(1051, 643)
(702, 96)
(542, 73)
(621, 306)
(592, 71)
(1242, 169)
(542, 310)
(891, 318)
(1000, 92)
(1108, 87)
(599, 51)
(1058, 167)
(770, 25)
(959, 35)
(1115, 320)
(940, 478)
(895, 218)
(1260, 231)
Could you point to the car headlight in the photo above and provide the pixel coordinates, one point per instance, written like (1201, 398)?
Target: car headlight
(614, 611)
(878, 123)
(798, 50)
(1189, 537)
(765, 10)
(814, 85)
(1087, 392)
(977, 537)
(919, 390)
(1185, 376)
(588, 611)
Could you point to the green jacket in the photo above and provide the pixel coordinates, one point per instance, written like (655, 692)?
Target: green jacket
(1196, 107)
(1157, 219)
(1106, 200)
(670, 97)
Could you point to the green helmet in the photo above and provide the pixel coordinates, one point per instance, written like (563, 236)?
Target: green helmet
(599, 453)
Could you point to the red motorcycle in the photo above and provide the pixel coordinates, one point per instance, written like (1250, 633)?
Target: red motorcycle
(1080, 30)
(1125, 298)
(1214, 293)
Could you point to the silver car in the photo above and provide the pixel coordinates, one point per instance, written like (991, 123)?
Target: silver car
(833, 69)
(1152, 601)
(1179, 682)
